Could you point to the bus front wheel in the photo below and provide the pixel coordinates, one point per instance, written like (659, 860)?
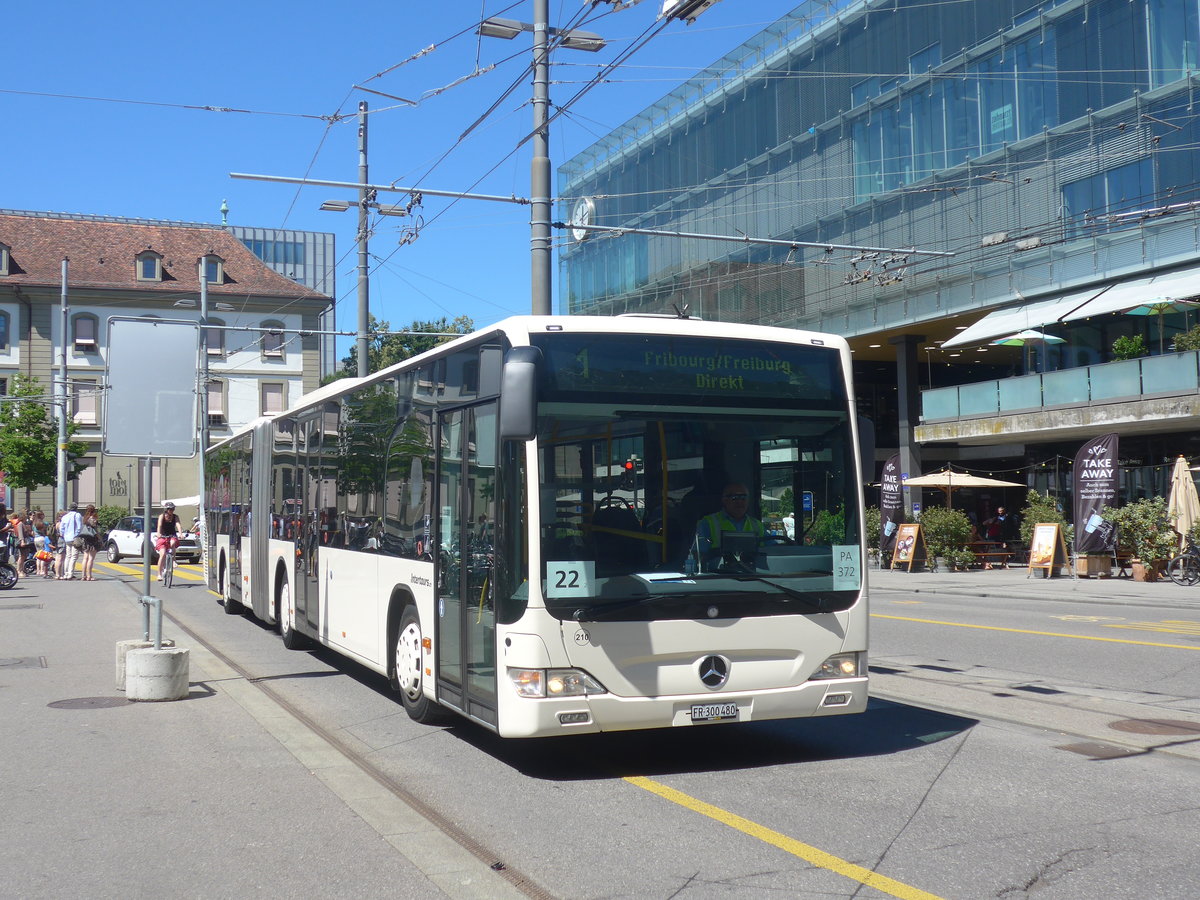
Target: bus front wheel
(407, 671)
(232, 607)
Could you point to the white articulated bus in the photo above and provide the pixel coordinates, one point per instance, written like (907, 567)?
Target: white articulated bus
(507, 526)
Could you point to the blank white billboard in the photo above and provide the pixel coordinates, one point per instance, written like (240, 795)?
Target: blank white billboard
(150, 393)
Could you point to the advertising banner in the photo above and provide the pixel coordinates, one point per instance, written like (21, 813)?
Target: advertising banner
(1095, 488)
(891, 503)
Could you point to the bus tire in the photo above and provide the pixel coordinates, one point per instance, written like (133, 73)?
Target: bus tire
(232, 607)
(408, 673)
(292, 639)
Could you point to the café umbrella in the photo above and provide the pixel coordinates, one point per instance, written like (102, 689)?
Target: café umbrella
(1029, 337)
(950, 481)
(1160, 308)
(1183, 505)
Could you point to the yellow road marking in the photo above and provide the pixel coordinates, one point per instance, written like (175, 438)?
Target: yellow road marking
(1170, 626)
(1077, 637)
(806, 852)
(192, 573)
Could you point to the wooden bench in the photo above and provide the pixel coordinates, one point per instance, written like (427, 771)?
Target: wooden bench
(990, 553)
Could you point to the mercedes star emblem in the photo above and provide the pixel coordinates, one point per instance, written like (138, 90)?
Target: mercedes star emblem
(714, 671)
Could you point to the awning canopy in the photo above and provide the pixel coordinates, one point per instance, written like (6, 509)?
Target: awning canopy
(1019, 318)
(1095, 301)
(1127, 295)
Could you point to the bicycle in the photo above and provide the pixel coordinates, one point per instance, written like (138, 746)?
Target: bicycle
(168, 572)
(1184, 569)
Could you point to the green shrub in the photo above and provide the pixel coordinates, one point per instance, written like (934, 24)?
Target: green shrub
(1043, 509)
(1189, 340)
(947, 533)
(1129, 347)
(828, 528)
(107, 516)
(1144, 528)
(873, 523)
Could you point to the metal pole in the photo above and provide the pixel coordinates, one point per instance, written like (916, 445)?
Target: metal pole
(202, 531)
(146, 531)
(364, 285)
(539, 214)
(60, 393)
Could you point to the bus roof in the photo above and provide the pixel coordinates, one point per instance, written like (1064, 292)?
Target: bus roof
(520, 329)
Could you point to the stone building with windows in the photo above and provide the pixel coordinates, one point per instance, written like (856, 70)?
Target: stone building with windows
(262, 354)
(1050, 146)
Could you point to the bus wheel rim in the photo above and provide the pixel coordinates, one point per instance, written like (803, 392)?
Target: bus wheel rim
(285, 609)
(408, 661)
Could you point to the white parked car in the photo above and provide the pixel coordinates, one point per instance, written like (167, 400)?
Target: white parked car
(125, 539)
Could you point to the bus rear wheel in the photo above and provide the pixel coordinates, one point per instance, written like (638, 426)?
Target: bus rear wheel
(407, 670)
(292, 639)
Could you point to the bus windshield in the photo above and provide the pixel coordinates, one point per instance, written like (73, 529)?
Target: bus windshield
(724, 487)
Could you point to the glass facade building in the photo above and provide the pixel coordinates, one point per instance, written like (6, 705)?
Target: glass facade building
(1050, 147)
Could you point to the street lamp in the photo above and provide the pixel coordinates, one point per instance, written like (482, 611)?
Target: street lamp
(539, 194)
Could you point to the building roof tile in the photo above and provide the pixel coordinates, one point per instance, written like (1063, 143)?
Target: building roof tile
(103, 256)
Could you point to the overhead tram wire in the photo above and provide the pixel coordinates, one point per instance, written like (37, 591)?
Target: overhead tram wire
(640, 42)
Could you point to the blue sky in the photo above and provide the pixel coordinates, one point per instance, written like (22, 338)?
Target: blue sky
(102, 110)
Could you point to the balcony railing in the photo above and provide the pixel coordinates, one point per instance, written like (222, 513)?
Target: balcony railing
(1170, 375)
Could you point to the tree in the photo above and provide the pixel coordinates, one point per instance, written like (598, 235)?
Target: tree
(29, 437)
(385, 350)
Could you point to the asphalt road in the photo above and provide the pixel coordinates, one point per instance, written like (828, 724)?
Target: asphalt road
(1016, 746)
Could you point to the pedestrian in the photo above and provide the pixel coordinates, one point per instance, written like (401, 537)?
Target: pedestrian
(72, 524)
(60, 545)
(23, 539)
(91, 541)
(41, 543)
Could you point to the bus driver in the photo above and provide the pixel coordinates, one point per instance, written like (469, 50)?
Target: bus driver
(733, 517)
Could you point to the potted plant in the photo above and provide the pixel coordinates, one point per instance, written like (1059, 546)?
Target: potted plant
(1129, 347)
(947, 533)
(1144, 526)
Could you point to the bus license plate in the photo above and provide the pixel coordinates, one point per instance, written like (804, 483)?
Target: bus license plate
(713, 712)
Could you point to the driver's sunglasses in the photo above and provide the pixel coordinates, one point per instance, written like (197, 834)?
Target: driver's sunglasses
(737, 496)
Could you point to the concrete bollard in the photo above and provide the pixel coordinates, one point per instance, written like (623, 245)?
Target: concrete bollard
(123, 647)
(156, 674)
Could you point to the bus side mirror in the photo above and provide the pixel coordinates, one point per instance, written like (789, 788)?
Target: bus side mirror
(518, 394)
(866, 449)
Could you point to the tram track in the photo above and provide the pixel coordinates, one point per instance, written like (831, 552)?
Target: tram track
(521, 883)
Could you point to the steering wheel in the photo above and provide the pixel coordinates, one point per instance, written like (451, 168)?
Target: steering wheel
(610, 502)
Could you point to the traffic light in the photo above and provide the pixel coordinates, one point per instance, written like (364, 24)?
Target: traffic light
(628, 474)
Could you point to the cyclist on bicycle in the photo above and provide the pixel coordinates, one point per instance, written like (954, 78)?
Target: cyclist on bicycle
(168, 535)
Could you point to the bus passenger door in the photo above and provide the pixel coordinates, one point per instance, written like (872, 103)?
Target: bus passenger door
(305, 596)
(466, 503)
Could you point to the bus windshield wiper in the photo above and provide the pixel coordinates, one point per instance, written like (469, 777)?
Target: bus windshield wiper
(589, 613)
(792, 594)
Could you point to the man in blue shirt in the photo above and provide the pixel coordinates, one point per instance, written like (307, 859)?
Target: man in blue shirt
(732, 517)
(70, 526)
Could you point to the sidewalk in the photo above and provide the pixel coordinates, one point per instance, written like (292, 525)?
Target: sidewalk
(1002, 584)
(222, 794)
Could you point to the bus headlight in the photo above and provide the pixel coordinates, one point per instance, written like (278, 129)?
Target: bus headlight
(840, 665)
(541, 683)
